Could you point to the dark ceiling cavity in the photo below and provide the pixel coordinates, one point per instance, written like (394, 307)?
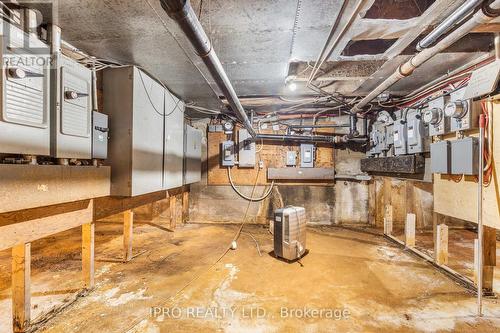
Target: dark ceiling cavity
(398, 9)
(473, 42)
(367, 47)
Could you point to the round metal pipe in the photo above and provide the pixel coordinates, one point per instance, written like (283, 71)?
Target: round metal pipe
(182, 12)
(299, 138)
(448, 23)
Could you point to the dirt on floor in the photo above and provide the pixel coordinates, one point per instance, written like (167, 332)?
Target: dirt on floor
(350, 281)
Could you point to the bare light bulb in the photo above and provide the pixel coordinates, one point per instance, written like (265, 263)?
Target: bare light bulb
(292, 86)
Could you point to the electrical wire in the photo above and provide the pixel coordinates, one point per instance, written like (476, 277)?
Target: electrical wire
(251, 198)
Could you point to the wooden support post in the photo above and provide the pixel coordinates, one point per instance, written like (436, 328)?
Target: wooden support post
(388, 220)
(489, 258)
(410, 197)
(88, 232)
(185, 205)
(128, 232)
(21, 295)
(372, 203)
(173, 211)
(410, 230)
(441, 254)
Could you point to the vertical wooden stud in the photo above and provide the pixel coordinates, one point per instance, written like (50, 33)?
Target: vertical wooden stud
(410, 230)
(441, 255)
(185, 205)
(372, 203)
(173, 211)
(489, 258)
(388, 220)
(88, 232)
(21, 295)
(128, 232)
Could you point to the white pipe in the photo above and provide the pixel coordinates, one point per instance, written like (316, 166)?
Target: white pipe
(416, 61)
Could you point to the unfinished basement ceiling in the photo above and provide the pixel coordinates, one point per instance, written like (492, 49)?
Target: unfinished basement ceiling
(257, 41)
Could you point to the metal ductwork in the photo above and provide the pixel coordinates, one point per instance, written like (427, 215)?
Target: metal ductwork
(182, 12)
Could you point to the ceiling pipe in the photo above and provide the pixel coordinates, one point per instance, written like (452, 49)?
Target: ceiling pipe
(182, 12)
(297, 138)
(406, 69)
(450, 22)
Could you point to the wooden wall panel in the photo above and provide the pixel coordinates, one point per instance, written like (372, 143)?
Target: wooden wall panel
(273, 155)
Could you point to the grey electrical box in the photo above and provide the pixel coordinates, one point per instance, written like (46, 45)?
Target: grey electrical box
(25, 86)
(463, 114)
(100, 135)
(417, 133)
(434, 116)
(246, 149)
(227, 153)
(291, 158)
(192, 155)
(135, 104)
(441, 157)
(173, 142)
(465, 156)
(71, 107)
(400, 137)
(307, 155)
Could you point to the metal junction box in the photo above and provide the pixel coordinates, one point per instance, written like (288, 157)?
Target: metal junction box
(227, 153)
(192, 155)
(291, 158)
(441, 157)
(465, 156)
(417, 133)
(71, 110)
(25, 85)
(246, 149)
(173, 158)
(100, 135)
(400, 137)
(307, 154)
(135, 104)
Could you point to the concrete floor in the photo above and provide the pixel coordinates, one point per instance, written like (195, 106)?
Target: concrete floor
(361, 282)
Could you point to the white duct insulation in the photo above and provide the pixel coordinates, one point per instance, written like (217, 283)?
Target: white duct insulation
(408, 67)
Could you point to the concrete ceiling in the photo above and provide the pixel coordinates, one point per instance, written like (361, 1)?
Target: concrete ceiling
(255, 40)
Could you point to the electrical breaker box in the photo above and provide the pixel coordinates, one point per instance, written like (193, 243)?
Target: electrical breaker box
(173, 142)
(192, 155)
(100, 134)
(291, 158)
(307, 154)
(465, 156)
(135, 104)
(71, 107)
(400, 137)
(434, 116)
(246, 149)
(417, 133)
(25, 86)
(463, 114)
(227, 153)
(441, 157)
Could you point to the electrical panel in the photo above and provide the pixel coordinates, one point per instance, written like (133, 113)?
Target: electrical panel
(25, 108)
(227, 153)
(100, 135)
(135, 105)
(307, 152)
(381, 136)
(465, 156)
(246, 149)
(71, 133)
(434, 116)
(417, 133)
(463, 114)
(291, 158)
(192, 155)
(173, 142)
(441, 157)
(400, 137)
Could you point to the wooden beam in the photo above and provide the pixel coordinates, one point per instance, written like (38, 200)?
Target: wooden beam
(107, 206)
(185, 205)
(128, 231)
(88, 233)
(489, 258)
(388, 220)
(173, 211)
(410, 230)
(441, 255)
(17, 228)
(21, 295)
(410, 197)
